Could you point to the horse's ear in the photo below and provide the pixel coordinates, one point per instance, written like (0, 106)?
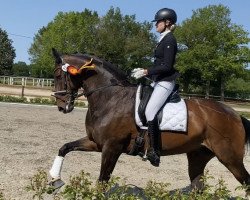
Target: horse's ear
(57, 56)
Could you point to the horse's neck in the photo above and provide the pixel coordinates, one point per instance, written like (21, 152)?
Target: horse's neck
(112, 98)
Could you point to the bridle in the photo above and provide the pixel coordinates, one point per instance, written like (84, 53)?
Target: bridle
(73, 94)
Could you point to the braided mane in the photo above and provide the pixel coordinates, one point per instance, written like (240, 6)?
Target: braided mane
(113, 69)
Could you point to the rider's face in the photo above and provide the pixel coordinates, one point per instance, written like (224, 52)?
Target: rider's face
(160, 26)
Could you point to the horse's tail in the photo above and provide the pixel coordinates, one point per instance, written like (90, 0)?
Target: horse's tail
(246, 124)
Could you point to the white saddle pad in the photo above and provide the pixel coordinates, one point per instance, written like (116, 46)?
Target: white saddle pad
(174, 115)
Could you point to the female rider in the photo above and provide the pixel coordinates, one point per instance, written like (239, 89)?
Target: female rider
(163, 74)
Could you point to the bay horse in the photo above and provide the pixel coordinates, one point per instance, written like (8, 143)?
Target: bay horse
(214, 129)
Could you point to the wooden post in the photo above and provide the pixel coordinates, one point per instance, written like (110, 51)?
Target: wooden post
(22, 95)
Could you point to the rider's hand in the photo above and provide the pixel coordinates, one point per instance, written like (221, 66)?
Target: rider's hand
(138, 73)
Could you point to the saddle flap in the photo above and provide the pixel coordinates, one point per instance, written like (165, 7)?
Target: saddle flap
(145, 92)
(172, 116)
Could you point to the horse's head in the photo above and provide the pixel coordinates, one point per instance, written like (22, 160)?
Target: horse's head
(69, 74)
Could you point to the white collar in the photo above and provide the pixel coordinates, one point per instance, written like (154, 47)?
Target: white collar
(163, 34)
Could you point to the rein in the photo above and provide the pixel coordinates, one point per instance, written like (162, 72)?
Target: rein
(75, 95)
(87, 94)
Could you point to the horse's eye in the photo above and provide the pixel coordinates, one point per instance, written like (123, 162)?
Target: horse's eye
(58, 73)
(58, 76)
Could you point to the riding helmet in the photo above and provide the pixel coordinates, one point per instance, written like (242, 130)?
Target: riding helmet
(166, 13)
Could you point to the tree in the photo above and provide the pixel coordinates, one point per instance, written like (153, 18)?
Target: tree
(21, 69)
(216, 47)
(68, 32)
(238, 88)
(123, 41)
(7, 53)
(114, 37)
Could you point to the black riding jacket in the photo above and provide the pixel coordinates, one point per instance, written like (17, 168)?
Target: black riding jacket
(164, 60)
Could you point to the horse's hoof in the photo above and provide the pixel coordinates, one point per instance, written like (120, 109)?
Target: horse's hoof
(55, 185)
(154, 158)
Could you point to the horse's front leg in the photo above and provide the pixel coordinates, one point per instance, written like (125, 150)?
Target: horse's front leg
(83, 144)
(110, 154)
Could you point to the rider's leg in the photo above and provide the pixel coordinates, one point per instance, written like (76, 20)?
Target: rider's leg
(161, 92)
(154, 138)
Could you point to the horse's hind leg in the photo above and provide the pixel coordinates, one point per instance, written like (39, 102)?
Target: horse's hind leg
(236, 167)
(240, 173)
(197, 161)
(231, 156)
(83, 144)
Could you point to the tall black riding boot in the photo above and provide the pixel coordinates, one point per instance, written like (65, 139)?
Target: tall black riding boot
(154, 136)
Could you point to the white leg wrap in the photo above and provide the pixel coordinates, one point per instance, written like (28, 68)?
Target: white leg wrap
(55, 171)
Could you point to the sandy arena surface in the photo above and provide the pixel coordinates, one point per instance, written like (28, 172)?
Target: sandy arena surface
(31, 135)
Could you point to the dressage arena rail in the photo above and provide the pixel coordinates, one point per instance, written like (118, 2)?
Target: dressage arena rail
(31, 92)
(43, 84)
(27, 81)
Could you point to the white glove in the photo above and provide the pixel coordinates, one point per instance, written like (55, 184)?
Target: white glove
(137, 73)
(136, 69)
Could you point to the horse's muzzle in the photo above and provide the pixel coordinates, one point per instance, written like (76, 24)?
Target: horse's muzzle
(68, 108)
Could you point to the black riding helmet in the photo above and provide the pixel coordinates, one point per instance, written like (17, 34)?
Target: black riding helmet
(166, 13)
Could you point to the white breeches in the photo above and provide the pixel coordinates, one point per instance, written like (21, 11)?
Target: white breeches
(161, 92)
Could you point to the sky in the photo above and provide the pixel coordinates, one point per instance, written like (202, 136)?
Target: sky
(22, 19)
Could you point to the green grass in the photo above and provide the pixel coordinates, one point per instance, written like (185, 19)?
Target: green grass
(238, 105)
(245, 114)
(81, 188)
(36, 100)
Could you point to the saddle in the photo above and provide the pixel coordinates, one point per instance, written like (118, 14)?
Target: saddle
(145, 94)
(171, 117)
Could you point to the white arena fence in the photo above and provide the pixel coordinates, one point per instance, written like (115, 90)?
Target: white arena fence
(48, 84)
(27, 81)
(29, 87)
